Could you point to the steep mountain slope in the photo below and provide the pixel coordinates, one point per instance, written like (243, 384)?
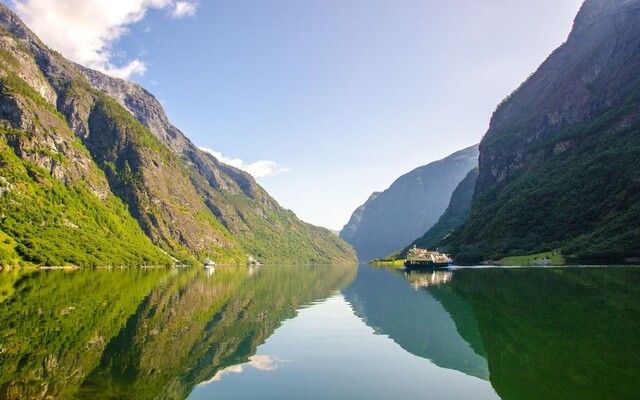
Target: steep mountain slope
(350, 230)
(454, 216)
(55, 203)
(390, 220)
(187, 202)
(559, 166)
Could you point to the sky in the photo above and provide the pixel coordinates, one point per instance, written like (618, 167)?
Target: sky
(323, 101)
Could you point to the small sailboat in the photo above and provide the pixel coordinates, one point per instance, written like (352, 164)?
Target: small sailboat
(208, 264)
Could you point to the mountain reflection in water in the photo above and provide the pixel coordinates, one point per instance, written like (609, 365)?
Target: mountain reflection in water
(143, 334)
(535, 333)
(320, 332)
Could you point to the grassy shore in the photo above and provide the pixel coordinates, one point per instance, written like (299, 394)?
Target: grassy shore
(548, 258)
(394, 263)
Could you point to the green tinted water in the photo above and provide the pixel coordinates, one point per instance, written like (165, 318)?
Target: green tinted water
(329, 332)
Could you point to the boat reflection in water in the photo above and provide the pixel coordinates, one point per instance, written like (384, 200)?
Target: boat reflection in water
(543, 333)
(422, 279)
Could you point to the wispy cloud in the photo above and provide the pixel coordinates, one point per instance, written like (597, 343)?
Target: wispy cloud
(259, 169)
(85, 30)
(183, 9)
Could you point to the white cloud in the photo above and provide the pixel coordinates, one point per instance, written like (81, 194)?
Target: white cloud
(259, 169)
(183, 8)
(85, 30)
(261, 362)
(134, 67)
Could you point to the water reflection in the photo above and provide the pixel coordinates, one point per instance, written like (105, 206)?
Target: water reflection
(564, 333)
(321, 332)
(534, 333)
(143, 334)
(424, 279)
(417, 320)
(260, 362)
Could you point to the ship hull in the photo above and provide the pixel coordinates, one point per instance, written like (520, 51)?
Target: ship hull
(425, 265)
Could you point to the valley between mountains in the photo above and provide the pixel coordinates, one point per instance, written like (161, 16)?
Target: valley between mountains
(558, 172)
(92, 172)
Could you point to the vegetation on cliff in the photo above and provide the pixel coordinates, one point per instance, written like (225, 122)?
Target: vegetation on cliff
(93, 173)
(454, 216)
(559, 165)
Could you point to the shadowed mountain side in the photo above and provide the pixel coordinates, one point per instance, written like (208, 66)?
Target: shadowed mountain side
(454, 216)
(559, 164)
(416, 320)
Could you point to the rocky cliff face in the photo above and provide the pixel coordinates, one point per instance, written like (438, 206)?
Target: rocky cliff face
(392, 219)
(67, 120)
(558, 165)
(591, 73)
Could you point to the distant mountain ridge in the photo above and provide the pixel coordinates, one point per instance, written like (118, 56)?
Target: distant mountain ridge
(392, 219)
(85, 155)
(454, 216)
(559, 164)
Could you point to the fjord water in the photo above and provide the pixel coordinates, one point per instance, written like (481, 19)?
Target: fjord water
(321, 332)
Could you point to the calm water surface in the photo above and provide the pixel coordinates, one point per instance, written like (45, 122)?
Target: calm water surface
(330, 332)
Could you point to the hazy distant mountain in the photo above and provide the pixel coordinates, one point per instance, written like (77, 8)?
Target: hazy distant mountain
(454, 216)
(92, 172)
(392, 219)
(559, 166)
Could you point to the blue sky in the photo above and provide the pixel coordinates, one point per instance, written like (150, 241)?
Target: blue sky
(325, 101)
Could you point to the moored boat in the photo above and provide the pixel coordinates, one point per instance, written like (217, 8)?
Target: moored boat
(418, 258)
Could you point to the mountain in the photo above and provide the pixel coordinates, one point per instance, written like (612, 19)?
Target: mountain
(558, 167)
(454, 216)
(92, 172)
(390, 220)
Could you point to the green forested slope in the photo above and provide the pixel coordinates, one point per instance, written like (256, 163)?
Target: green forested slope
(93, 173)
(560, 164)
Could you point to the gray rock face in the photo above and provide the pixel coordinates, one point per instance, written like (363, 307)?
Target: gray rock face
(392, 219)
(558, 167)
(584, 77)
(148, 110)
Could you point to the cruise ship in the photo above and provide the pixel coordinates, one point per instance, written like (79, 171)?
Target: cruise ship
(423, 258)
